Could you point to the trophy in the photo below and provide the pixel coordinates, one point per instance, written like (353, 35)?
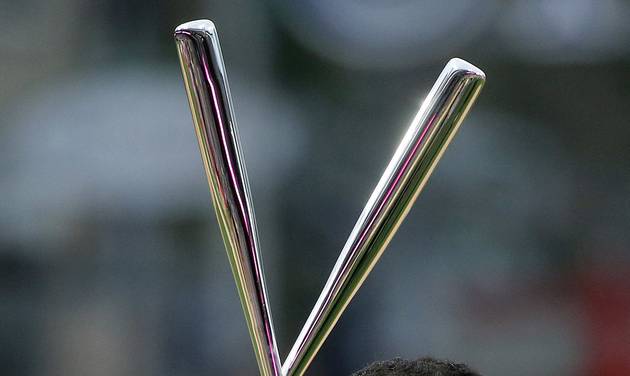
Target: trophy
(431, 130)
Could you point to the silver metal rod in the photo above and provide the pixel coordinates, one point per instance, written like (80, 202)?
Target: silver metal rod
(213, 117)
(435, 124)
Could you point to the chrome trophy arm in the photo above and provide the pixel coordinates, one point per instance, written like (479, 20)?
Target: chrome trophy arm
(432, 129)
(430, 132)
(215, 126)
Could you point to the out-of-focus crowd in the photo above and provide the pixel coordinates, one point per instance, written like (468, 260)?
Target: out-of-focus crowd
(515, 257)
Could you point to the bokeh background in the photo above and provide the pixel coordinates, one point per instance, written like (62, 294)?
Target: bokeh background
(515, 259)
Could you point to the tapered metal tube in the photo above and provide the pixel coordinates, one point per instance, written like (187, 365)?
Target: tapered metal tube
(435, 124)
(213, 117)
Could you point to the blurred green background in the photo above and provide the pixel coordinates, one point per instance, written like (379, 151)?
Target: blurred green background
(515, 259)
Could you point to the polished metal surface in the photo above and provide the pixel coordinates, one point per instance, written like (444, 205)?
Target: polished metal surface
(433, 127)
(213, 117)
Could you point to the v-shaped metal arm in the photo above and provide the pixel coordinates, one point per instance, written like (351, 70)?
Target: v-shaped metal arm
(430, 132)
(213, 117)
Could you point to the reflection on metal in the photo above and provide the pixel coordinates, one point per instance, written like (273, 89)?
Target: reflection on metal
(430, 132)
(432, 129)
(213, 116)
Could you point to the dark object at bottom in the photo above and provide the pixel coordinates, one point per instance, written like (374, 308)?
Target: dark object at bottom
(419, 367)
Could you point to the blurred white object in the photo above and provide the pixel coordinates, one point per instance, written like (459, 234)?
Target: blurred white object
(564, 31)
(120, 142)
(386, 35)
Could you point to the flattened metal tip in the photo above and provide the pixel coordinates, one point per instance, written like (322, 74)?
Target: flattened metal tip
(197, 26)
(462, 66)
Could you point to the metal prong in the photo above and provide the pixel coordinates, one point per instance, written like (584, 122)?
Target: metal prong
(433, 127)
(213, 117)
